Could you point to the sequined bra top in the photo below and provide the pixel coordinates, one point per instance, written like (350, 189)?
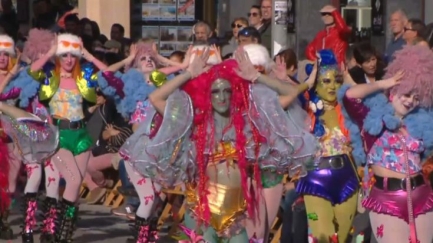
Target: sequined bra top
(388, 151)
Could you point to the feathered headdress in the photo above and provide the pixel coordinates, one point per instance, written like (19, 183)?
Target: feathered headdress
(7, 45)
(38, 42)
(67, 43)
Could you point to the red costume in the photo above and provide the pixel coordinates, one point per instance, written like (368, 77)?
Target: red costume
(4, 173)
(334, 38)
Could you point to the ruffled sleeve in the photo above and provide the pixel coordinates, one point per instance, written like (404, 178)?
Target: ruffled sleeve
(37, 140)
(23, 87)
(290, 144)
(116, 85)
(168, 157)
(419, 125)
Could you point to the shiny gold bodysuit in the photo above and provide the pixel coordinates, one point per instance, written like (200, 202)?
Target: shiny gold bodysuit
(226, 201)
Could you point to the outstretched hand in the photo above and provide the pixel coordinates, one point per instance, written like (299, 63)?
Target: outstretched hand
(199, 63)
(393, 81)
(246, 69)
(279, 69)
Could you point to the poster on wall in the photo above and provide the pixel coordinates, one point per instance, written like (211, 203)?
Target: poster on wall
(281, 12)
(168, 39)
(186, 10)
(150, 32)
(291, 16)
(378, 17)
(150, 12)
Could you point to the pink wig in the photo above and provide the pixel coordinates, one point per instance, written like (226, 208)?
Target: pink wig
(38, 42)
(199, 89)
(417, 64)
(143, 49)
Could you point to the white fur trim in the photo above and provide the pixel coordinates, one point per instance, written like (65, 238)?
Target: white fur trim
(67, 43)
(258, 55)
(213, 58)
(9, 41)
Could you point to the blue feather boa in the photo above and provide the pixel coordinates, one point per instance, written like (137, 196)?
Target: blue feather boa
(28, 86)
(381, 117)
(135, 89)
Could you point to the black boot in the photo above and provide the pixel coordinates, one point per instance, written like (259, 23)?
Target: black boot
(68, 219)
(5, 229)
(146, 230)
(29, 221)
(50, 222)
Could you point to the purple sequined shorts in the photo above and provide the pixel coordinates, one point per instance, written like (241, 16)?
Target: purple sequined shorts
(394, 203)
(333, 178)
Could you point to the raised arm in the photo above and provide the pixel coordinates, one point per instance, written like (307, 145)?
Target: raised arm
(14, 112)
(173, 66)
(158, 98)
(90, 58)
(361, 91)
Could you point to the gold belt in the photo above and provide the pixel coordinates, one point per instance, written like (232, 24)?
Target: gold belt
(225, 203)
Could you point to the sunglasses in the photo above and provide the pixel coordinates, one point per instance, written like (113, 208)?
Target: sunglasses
(6, 44)
(253, 14)
(407, 29)
(68, 44)
(325, 14)
(239, 26)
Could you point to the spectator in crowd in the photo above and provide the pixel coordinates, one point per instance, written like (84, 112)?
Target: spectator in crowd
(369, 66)
(265, 29)
(414, 32)
(237, 25)
(249, 35)
(397, 22)
(9, 18)
(201, 31)
(117, 33)
(72, 24)
(255, 17)
(113, 46)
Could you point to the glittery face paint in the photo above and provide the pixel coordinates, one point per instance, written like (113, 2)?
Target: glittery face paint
(221, 92)
(328, 83)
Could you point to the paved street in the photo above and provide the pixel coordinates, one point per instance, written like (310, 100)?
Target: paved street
(96, 224)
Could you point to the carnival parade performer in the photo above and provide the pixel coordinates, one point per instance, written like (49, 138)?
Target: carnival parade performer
(220, 139)
(330, 188)
(14, 89)
(69, 92)
(391, 130)
(334, 37)
(34, 48)
(271, 180)
(140, 79)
